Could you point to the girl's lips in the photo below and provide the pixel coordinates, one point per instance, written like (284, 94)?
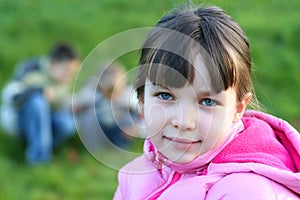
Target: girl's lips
(182, 140)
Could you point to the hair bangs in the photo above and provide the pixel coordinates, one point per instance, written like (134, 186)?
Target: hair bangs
(170, 70)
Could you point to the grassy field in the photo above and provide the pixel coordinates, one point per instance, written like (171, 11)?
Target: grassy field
(30, 27)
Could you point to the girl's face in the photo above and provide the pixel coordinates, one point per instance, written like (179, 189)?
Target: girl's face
(186, 122)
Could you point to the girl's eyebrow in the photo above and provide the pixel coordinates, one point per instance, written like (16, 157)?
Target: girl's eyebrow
(199, 94)
(204, 93)
(211, 94)
(157, 85)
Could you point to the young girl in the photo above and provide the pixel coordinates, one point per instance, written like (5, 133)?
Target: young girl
(193, 86)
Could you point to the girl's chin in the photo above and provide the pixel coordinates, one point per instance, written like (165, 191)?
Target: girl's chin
(184, 160)
(180, 157)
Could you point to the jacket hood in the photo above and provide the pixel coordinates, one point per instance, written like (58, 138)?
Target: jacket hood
(266, 140)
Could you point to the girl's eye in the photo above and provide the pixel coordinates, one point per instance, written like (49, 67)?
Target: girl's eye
(165, 96)
(208, 102)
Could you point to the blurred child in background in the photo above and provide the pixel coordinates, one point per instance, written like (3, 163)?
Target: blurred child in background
(105, 107)
(41, 101)
(117, 110)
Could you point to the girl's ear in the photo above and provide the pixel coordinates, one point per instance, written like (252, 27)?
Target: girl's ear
(241, 107)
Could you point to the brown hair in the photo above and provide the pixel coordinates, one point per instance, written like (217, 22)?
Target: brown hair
(184, 33)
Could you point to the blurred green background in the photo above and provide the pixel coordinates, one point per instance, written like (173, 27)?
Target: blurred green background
(30, 27)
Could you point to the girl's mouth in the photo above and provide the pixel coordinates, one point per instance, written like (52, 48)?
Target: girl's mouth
(182, 143)
(182, 140)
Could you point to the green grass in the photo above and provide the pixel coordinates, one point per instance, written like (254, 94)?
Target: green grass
(73, 174)
(30, 27)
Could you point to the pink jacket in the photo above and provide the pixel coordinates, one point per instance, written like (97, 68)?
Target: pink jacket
(261, 162)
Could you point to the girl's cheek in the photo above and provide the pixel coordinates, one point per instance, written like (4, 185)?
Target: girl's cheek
(155, 118)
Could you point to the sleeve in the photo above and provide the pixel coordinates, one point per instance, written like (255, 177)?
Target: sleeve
(121, 185)
(118, 194)
(248, 186)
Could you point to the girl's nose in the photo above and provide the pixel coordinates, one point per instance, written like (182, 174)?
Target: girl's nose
(185, 118)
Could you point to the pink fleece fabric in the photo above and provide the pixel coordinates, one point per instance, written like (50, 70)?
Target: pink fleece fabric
(261, 142)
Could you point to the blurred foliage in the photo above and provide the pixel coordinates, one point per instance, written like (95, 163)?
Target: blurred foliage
(30, 27)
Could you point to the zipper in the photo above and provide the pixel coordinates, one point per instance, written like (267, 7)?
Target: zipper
(175, 178)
